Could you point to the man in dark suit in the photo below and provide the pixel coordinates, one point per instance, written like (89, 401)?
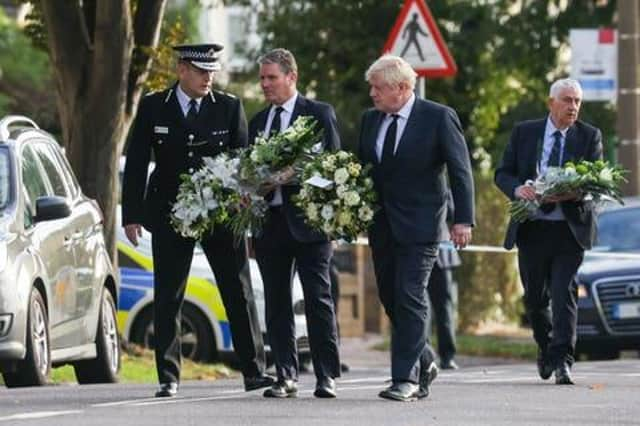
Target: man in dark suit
(286, 242)
(442, 292)
(551, 245)
(410, 142)
(180, 126)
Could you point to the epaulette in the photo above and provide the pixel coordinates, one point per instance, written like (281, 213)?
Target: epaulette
(220, 92)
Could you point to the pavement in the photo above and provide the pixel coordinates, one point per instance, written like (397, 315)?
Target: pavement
(484, 391)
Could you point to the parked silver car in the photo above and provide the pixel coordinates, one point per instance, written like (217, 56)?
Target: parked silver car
(58, 290)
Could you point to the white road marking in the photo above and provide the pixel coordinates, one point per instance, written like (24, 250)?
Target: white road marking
(38, 415)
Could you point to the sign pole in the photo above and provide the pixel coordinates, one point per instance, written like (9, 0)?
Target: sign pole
(420, 87)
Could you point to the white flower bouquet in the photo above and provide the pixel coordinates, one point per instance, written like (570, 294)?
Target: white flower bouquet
(212, 196)
(598, 181)
(273, 160)
(337, 195)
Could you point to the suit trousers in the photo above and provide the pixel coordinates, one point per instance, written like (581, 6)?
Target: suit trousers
(172, 256)
(549, 257)
(279, 254)
(402, 274)
(441, 296)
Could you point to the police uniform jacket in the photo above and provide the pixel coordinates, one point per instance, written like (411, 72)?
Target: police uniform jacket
(161, 129)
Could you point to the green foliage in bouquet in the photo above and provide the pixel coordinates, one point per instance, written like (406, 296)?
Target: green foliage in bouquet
(260, 163)
(337, 195)
(586, 180)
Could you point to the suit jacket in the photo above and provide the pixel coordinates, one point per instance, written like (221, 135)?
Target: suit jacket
(326, 117)
(160, 128)
(520, 161)
(414, 189)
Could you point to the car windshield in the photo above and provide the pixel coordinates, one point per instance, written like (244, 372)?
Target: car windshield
(619, 230)
(5, 179)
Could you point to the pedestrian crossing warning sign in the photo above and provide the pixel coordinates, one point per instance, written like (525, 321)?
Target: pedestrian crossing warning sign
(415, 37)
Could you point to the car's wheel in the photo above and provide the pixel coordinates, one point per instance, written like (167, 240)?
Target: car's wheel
(105, 367)
(35, 368)
(197, 338)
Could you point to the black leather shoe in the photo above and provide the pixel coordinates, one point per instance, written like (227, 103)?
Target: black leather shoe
(258, 382)
(401, 391)
(282, 389)
(167, 389)
(344, 368)
(325, 388)
(427, 376)
(563, 375)
(545, 369)
(448, 364)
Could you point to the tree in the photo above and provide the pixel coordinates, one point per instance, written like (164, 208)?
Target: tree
(25, 80)
(100, 57)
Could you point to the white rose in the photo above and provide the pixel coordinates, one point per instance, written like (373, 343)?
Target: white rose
(365, 213)
(327, 212)
(343, 155)
(352, 198)
(341, 175)
(303, 193)
(341, 190)
(605, 175)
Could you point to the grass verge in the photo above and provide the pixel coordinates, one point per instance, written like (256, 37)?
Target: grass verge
(138, 366)
(488, 346)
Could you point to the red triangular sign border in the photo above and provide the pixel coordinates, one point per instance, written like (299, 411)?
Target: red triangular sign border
(451, 69)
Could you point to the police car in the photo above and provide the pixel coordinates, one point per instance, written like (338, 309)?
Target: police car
(206, 335)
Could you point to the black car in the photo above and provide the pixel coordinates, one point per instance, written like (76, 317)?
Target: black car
(609, 286)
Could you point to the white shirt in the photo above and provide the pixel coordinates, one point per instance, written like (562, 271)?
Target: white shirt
(403, 117)
(285, 118)
(184, 99)
(549, 141)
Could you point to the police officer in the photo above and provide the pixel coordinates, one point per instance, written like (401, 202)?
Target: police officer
(180, 126)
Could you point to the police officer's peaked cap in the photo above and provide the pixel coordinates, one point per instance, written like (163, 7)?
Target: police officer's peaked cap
(203, 56)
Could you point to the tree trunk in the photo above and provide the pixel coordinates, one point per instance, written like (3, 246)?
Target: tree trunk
(91, 44)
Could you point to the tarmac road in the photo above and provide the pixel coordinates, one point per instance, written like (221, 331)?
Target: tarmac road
(504, 394)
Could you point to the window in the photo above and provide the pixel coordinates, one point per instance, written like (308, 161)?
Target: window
(52, 169)
(5, 179)
(32, 178)
(72, 183)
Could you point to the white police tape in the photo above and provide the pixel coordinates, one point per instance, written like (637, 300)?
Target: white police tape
(496, 249)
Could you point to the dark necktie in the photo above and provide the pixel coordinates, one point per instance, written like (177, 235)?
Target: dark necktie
(192, 113)
(554, 161)
(389, 142)
(554, 157)
(276, 123)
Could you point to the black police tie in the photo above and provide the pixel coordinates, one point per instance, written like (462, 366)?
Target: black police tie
(276, 123)
(389, 142)
(192, 113)
(554, 157)
(554, 161)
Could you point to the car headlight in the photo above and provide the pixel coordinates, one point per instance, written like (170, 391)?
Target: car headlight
(582, 291)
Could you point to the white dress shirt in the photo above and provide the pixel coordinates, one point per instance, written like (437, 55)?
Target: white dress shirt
(548, 142)
(403, 117)
(184, 99)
